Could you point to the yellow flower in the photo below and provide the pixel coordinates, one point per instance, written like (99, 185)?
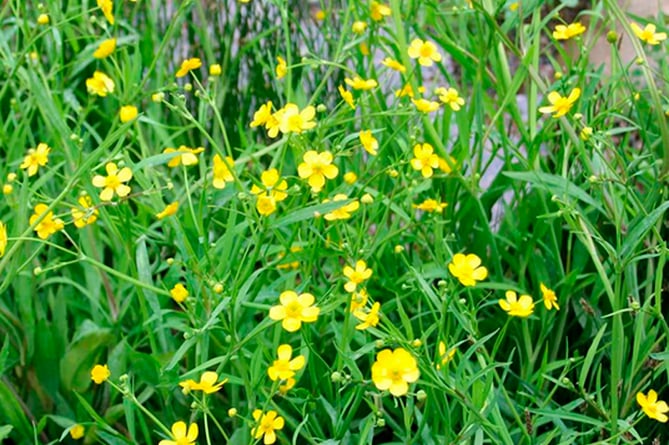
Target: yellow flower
(263, 115)
(100, 373)
(292, 264)
(356, 276)
(369, 142)
(358, 83)
(215, 70)
(431, 205)
(107, 7)
(281, 68)
(560, 105)
(379, 10)
(343, 212)
(77, 431)
(48, 226)
(179, 293)
(284, 367)
(187, 156)
(222, 173)
(653, 408)
(274, 191)
(424, 159)
(180, 436)
(425, 106)
(113, 182)
(88, 215)
(291, 119)
(294, 310)
(359, 27)
(3, 238)
(350, 177)
(267, 425)
(394, 370)
(207, 384)
(358, 300)
(466, 269)
(517, 307)
(169, 210)
(566, 32)
(369, 319)
(513, 7)
(648, 34)
(100, 84)
(394, 65)
(550, 299)
(585, 133)
(426, 52)
(444, 357)
(36, 158)
(127, 113)
(450, 97)
(347, 96)
(188, 65)
(319, 15)
(43, 19)
(158, 97)
(316, 168)
(105, 48)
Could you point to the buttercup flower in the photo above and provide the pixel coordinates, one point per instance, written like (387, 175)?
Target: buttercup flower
(648, 34)
(222, 173)
(566, 32)
(284, 367)
(263, 115)
(100, 84)
(560, 105)
(105, 48)
(356, 276)
(181, 436)
(281, 68)
(550, 299)
(107, 7)
(369, 319)
(292, 120)
(267, 425)
(188, 65)
(426, 52)
(343, 212)
(358, 300)
(179, 293)
(316, 168)
(127, 113)
(358, 83)
(394, 65)
(467, 269)
(394, 370)
(378, 11)
(169, 210)
(43, 19)
(347, 96)
(3, 238)
(431, 205)
(653, 408)
(369, 142)
(359, 27)
(273, 191)
(48, 226)
(100, 374)
(444, 166)
(77, 431)
(208, 383)
(265, 204)
(444, 357)
(36, 158)
(517, 307)
(187, 156)
(215, 70)
(450, 97)
(425, 106)
(294, 310)
(424, 159)
(85, 214)
(113, 182)
(407, 90)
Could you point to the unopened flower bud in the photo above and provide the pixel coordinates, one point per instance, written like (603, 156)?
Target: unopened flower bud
(421, 395)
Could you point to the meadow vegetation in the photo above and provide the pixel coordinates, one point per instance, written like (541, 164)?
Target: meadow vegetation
(347, 222)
